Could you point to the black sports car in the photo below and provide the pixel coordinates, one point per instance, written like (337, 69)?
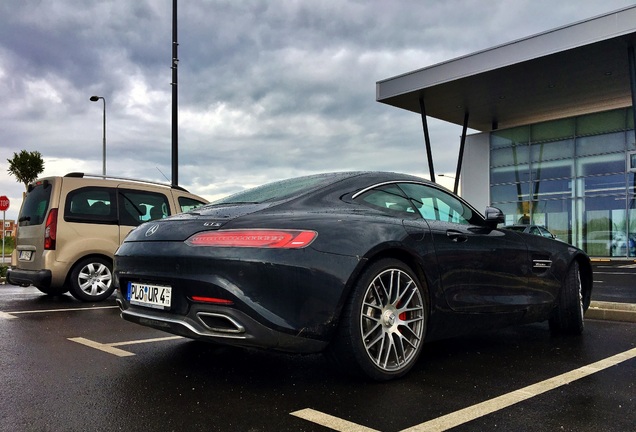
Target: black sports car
(364, 265)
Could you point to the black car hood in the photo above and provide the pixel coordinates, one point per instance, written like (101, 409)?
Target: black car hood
(180, 227)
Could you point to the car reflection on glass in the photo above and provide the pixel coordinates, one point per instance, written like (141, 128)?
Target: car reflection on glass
(532, 229)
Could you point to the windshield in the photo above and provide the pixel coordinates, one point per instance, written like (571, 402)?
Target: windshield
(281, 189)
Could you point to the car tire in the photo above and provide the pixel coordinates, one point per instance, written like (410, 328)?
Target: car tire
(382, 326)
(568, 316)
(91, 279)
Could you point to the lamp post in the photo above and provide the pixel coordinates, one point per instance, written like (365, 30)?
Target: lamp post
(95, 99)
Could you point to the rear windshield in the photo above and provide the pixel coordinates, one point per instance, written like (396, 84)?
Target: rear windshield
(35, 204)
(282, 189)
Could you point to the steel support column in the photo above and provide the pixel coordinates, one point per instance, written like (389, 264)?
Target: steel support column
(175, 99)
(460, 158)
(632, 81)
(427, 140)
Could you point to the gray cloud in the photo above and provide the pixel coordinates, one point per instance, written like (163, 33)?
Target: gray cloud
(267, 90)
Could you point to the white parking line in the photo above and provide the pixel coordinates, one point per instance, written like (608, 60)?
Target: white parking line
(465, 415)
(10, 315)
(110, 348)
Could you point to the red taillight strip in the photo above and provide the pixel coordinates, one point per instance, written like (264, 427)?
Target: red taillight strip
(254, 238)
(50, 230)
(212, 300)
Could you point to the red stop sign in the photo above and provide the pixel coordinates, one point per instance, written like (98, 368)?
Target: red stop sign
(4, 203)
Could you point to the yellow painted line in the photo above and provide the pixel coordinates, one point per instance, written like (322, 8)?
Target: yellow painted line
(110, 348)
(476, 411)
(5, 315)
(102, 347)
(135, 342)
(331, 422)
(487, 407)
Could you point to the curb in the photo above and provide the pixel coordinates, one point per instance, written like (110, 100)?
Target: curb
(612, 311)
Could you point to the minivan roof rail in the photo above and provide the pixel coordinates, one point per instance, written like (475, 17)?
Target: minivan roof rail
(107, 177)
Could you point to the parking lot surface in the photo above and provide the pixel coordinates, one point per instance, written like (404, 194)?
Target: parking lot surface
(72, 366)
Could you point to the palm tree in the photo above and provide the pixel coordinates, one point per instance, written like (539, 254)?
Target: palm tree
(26, 166)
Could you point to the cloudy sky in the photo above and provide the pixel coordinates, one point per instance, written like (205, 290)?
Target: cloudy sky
(267, 89)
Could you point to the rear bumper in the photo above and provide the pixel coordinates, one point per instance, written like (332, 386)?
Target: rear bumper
(220, 325)
(38, 278)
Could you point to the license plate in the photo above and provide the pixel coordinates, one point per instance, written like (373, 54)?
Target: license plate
(25, 255)
(154, 296)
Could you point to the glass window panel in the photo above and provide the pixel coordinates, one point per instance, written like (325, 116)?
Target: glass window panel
(554, 215)
(552, 150)
(553, 130)
(601, 122)
(552, 169)
(509, 174)
(509, 156)
(604, 185)
(510, 137)
(545, 189)
(608, 143)
(602, 164)
(514, 212)
(631, 183)
(631, 232)
(605, 227)
(630, 118)
(509, 192)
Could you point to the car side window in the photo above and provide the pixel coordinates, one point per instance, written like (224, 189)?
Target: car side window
(187, 203)
(545, 233)
(390, 199)
(136, 207)
(435, 204)
(91, 205)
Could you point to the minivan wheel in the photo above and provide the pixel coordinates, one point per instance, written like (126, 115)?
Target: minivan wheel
(91, 279)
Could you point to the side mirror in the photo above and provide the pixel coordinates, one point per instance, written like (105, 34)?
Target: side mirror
(494, 217)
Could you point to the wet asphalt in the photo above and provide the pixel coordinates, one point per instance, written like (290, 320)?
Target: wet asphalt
(72, 366)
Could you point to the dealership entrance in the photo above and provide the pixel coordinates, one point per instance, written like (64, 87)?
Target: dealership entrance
(556, 142)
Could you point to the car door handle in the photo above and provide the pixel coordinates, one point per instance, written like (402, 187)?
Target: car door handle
(456, 236)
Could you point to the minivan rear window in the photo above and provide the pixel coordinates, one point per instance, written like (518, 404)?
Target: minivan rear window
(36, 204)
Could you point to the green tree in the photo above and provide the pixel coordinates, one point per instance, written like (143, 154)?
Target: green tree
(26, 166)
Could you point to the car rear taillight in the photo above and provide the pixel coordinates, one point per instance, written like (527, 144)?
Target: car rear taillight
(212, 300)
(50, 230)
(254, 238)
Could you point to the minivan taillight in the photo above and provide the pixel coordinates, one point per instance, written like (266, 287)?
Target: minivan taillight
(50, 230)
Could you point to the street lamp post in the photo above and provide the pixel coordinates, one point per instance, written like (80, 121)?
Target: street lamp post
(95, 99)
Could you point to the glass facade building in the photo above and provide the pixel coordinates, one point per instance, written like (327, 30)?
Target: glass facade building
(576, 176)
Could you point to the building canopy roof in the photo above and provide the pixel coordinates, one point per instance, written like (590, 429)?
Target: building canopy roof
(571, 70)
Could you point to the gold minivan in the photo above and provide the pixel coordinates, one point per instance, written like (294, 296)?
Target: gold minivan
(70, 227)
